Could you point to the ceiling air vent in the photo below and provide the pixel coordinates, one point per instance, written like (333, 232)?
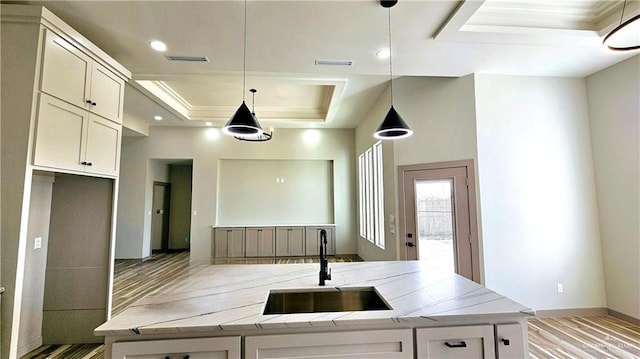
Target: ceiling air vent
(187, 58)
(335, 62)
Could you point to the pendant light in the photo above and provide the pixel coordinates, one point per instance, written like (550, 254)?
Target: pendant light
(262, 136)
(243, 123)
(626, 36)
(393, 126)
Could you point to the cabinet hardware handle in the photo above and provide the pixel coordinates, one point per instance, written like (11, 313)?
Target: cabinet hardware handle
(83, 162)
(88, 101)
(506, 342)
(461, 344)
(89, 164)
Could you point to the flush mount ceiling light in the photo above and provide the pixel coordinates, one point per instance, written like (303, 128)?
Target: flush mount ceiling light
(157, 118)
(158, 45)
(243, 123)
(626, 36)
(262, 136)
(393, 126)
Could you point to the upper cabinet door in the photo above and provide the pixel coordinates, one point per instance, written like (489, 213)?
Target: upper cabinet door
(65, 70)
(107, 93)
(102, 146)
(60, 135)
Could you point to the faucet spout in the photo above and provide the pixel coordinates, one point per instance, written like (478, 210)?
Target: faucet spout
(325, 271)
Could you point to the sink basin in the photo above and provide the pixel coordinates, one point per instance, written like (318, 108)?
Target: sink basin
(324, 300)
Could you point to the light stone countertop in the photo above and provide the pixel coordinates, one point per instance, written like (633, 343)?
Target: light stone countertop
(213, 298)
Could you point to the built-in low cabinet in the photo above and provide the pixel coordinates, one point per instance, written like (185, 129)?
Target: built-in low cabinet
(312, 241)
(289, 241)
(201, 348)
(228, 243)
(260, 242)
(271, 241)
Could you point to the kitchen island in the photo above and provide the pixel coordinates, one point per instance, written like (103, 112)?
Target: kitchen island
(217, 311)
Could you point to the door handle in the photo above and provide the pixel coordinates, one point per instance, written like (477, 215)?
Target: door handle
(409, 244)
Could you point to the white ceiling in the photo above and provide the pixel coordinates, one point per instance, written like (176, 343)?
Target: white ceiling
(285, 38)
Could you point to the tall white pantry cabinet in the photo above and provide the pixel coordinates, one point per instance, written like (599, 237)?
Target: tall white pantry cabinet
(62, 114)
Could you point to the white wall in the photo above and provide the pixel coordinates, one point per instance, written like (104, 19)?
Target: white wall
(614, 111)
(539, 210)
(206, 147)
(441, 113)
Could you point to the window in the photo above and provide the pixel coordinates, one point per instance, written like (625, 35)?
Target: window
(371, 195)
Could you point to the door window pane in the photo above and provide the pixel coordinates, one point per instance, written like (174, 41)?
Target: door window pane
(434, 218)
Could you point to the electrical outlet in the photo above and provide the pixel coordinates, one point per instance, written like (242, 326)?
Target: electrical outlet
(560, 288)
(37, 243)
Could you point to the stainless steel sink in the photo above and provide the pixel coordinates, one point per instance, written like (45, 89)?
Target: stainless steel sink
(324, 300)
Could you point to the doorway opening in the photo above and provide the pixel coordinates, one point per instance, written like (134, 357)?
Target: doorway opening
(438, 220)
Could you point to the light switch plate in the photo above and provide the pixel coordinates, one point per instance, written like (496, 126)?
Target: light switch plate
(37, 243)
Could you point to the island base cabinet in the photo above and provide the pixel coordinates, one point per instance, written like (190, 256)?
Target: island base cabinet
(510, 341)
(468, 342)
(201, 348)
(396, 344)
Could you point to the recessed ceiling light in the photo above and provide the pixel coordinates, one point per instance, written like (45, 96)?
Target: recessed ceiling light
(383, 53)
(158, 45)
(157, 118)
(208, 123)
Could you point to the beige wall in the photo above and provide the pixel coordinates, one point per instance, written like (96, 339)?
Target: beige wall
(539, 209)
(614, 111)
(30, 333)
(441, 112)
(206, 147)
(249, 194)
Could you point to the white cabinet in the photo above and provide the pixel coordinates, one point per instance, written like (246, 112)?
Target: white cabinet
(260, 242)
(290, 241)
(68, 137)
(510, 343)
(72, 76)
(455, 342)
(396, 344)
(228, 243)
(202, 348)
(312, 241)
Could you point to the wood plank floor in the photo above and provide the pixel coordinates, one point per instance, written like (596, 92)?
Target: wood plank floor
(553, 338)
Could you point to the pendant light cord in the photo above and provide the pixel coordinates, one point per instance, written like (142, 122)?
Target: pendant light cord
(624, 5)
(244, 59)
(390, 56)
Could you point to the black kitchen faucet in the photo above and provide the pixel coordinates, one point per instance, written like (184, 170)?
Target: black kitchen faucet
(325, 271)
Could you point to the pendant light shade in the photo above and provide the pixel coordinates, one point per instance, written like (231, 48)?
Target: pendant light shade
(243, 123)
(625, 36)
(393, 126)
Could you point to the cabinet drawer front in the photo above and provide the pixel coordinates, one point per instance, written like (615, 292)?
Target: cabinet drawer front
(60, 134)
(107, 93)
(64, 70)
(456, 342)
(201, 348)
(396, 344)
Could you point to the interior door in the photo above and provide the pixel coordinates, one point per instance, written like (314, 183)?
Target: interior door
(160, 216)
(438, 222)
